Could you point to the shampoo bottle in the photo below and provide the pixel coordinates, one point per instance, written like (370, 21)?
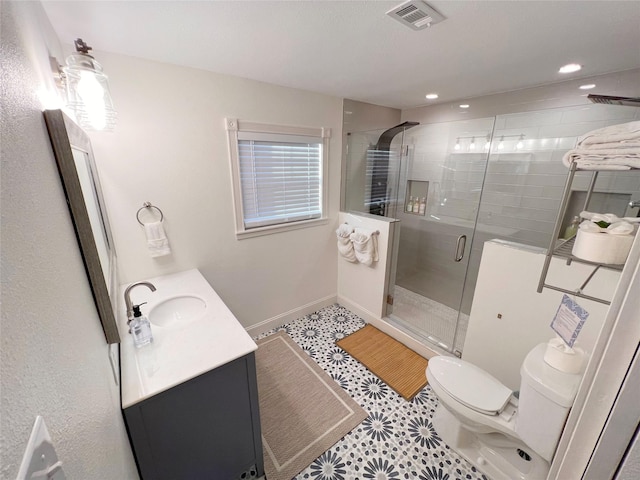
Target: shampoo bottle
(423, 206)
(140, 328)
(410, 205)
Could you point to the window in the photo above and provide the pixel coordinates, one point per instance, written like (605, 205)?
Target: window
(279, 176)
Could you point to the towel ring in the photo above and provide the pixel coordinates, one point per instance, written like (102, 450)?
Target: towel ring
(147, 205)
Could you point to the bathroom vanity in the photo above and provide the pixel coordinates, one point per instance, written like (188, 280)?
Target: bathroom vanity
(190, 399)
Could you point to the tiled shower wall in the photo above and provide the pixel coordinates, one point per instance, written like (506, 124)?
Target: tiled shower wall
(523, 187)
(520, 196)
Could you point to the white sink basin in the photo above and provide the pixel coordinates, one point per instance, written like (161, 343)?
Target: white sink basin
(176, 310)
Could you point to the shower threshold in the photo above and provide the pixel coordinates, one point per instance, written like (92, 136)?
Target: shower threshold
(415, 333)
(428, 320)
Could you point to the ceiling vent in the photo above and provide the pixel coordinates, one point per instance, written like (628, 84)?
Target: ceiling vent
(415, 14)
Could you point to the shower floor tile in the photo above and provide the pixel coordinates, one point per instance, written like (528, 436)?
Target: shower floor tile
(397, 440)
(424, 317)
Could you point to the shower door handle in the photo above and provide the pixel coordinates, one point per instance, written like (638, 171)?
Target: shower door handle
(460, 246)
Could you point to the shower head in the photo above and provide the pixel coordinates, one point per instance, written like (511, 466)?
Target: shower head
(609, 100)
(384, 142)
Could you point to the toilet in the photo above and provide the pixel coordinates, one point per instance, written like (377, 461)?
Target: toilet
(507, 437)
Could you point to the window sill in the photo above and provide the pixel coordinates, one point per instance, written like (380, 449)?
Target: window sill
(258, 232)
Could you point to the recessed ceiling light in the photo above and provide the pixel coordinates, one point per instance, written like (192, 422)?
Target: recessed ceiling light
(432, 96)
(588, 86)
(570, 68)
(464, 105)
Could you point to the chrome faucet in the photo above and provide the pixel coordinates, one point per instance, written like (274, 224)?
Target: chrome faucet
(127, 299)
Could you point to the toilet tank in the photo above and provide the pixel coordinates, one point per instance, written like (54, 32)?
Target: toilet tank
(546, 396)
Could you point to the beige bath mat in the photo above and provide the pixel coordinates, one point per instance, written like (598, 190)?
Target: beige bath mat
(303, 411)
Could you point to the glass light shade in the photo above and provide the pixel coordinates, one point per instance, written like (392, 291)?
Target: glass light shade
(88, 94)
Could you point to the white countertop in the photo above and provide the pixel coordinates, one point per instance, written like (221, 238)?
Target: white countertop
(183, 350)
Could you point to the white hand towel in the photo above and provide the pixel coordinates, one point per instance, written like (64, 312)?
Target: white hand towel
(345, 247)
(157, 241)
(365, 245)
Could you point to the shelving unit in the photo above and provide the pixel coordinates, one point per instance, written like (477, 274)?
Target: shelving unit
(563, 248)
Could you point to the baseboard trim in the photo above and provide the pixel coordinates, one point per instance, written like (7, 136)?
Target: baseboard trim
(291, 315)
(390, 330)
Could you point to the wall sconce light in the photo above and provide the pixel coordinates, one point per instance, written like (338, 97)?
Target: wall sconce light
(472, 143)
(519, 145)
(87, 90)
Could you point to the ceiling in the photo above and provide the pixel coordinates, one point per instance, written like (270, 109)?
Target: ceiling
(351, 49)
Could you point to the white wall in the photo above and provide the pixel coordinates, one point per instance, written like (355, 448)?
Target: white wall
(170, 148)
(363, 288)
(507, 284)
(53, 354)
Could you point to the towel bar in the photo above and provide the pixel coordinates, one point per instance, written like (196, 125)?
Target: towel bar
(148, 205)
(376, 232)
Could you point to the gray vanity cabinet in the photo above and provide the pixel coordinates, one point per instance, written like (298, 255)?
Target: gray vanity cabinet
(205, 428)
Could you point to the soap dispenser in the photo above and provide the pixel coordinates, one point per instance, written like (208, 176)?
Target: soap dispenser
(140, 328)
(572, 229)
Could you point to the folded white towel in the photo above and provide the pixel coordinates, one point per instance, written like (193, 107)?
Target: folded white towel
(603, 159)
(345, 247)
(624, 132)
(157, 241)
(616, 147)
(624, 146)
(365, 245)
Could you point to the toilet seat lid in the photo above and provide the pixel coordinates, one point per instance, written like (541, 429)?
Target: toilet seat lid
(470, 385)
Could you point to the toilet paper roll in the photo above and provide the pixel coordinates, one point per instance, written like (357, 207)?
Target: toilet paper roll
(561, 357)
(602, 247)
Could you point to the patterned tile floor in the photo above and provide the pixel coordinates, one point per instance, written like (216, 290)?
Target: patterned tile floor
(397, 440)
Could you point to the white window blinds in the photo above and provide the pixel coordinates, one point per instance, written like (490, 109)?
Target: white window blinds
(280, 178)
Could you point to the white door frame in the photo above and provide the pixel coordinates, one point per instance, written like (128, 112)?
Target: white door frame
(603, 379)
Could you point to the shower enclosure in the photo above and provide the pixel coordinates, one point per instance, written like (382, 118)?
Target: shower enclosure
(455, 185)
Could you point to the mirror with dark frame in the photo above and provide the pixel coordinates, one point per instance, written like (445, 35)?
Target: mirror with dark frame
(76, 165)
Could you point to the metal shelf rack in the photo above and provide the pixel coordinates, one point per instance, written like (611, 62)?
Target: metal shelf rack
(563, 248)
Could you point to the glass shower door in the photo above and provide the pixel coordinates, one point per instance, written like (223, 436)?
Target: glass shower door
(444, 175)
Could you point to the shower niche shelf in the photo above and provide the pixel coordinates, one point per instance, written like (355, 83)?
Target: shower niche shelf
(561, 248)
(417, 190)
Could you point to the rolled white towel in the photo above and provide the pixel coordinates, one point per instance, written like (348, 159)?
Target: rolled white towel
(345, 247)
(365, 245)
(344, 230)
(157, 241)
(607, 217)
